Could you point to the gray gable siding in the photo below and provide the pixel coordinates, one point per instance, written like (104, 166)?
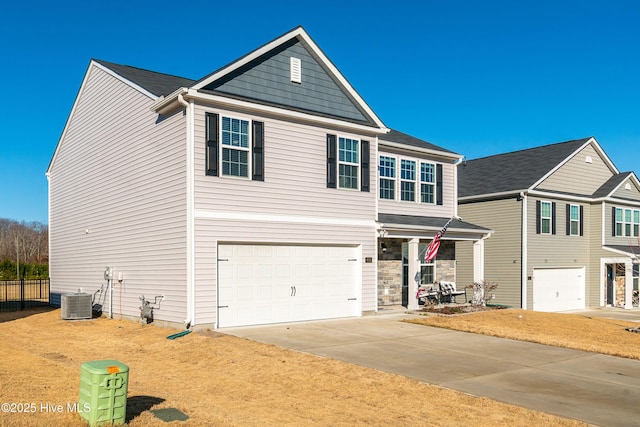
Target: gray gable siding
(267, 79)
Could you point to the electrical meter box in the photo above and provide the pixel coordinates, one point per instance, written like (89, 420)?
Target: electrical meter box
(103, 392)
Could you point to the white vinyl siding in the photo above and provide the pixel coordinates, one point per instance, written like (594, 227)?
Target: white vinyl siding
(291, 206)
(117, 198)
(294, 188)
(418, 207)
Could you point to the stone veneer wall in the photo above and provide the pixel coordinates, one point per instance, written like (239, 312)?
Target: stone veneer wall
(390, 282)
(390, 269)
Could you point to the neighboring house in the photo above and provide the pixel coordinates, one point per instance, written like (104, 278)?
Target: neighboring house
(566, 225)
(249, 196)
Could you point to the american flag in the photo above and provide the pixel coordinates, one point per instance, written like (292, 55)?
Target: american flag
(432, 250)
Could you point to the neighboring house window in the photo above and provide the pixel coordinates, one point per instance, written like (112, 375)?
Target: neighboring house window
(575, 220)
(427, 182)
(407, 180)
(235, 147)
(348, 162)
(619, 223)
(626, 222)
(387, 171)
(545, 217)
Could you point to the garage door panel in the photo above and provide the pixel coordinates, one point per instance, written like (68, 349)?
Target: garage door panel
(269, 284)
(558, 289)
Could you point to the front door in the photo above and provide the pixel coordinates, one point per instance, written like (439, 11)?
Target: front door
(610, 282)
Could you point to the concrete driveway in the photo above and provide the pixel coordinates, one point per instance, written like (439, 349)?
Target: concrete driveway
(597, 389)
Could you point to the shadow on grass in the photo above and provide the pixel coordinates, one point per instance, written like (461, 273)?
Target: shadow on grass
(8, 316)
(136, 405)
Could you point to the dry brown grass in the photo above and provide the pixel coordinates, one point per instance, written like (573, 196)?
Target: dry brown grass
(599, 335)
(220, 380)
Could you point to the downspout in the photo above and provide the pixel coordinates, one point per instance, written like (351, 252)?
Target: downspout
(455, 185)
(524, 254)
(189, 321)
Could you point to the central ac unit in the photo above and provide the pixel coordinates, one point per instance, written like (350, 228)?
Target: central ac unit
(76, 306)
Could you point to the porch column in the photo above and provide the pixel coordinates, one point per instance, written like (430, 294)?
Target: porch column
(628, 285)
(478, 260)
(414, 271)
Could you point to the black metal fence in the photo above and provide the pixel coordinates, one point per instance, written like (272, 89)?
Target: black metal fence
(22, 294)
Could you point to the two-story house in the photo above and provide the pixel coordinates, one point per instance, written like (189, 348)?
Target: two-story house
(248, 196)
(566, 225)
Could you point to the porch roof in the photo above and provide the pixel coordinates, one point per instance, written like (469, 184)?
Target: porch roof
(624, 249)
(427, 226)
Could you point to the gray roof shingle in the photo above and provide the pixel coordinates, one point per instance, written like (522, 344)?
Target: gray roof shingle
(428, 221)
(403, 138)
(514, 171)
(611, 184)
(158, 84)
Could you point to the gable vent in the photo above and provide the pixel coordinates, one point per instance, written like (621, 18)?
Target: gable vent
(627, 186)
(296, 70)
(588, 159)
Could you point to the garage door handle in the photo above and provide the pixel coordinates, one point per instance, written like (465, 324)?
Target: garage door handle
(223, 306)
(352, 299)
(293, 291)
(223, 259)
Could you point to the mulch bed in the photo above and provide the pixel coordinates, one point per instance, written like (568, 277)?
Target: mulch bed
(460, 309)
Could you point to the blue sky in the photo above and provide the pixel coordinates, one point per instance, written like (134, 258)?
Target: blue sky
(476, 77)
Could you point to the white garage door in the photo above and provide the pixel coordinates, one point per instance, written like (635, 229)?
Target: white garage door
(259, 284)
(558, 289)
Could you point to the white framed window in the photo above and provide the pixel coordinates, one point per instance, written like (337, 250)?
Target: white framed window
(427, 182)
(348, 162)
(545, 217)
(387, 172)
(235, 146)
(574, 220)
(407, 180)
(627, 222)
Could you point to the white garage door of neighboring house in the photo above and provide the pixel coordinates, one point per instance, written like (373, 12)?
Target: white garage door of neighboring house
(558, 289)
(259, 284)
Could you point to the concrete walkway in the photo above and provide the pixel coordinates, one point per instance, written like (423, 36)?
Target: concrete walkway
(597, 389)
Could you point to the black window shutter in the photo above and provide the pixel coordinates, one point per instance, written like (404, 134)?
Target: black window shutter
(613, 221)
(332, 164)
(538, 217)
(553, 217)
(364, 164)
(568, 219)
(257, 151)
(439, 185)
(581, 220)
(211, 156)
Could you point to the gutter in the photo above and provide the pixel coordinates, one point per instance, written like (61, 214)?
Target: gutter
(189, 321)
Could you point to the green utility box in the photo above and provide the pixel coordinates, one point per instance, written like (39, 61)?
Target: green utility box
(103, 392)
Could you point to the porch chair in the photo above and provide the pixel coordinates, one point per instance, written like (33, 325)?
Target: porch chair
(449, 292)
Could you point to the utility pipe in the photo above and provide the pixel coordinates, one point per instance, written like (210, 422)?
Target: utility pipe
(189, 110)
